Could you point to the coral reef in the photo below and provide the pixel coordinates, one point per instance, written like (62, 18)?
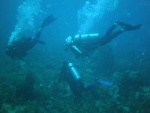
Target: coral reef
(39, 91)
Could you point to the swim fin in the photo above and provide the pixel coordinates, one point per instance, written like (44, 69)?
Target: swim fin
(105, 82)
(47, 21)
(96, 83)
(128, 27)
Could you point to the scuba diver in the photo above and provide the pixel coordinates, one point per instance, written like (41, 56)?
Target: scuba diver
(70, 74)
(19, 48)
(82, 45)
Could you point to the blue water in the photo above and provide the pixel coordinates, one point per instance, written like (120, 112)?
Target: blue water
(129, 52)
(75, 18)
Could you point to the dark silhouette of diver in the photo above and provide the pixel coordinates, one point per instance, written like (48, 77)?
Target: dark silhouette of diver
(82, 45)
(19, 48)
(70, 74)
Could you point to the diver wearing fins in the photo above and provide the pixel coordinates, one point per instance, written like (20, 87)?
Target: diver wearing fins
(70, 74)
(18, 49)
(82, 45)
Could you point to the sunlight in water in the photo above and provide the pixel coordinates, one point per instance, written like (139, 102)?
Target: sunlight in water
(26, 22)
(91, 12)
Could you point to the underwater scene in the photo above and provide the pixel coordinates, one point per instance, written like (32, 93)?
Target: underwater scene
(75, 56)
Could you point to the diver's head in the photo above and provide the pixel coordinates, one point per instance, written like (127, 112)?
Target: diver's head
(68, 41)
(14, 52)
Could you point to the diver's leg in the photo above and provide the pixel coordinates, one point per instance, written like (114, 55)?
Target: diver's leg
(47, 21)
(110, 30)
(106, 39)
(128, 27)
(109, 36)
(33, 41)
(38, 34)
(114, 35)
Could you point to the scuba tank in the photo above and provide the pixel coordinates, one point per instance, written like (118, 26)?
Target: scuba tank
(73, 78)
(86, 36)
(74, 72)
(71, 40)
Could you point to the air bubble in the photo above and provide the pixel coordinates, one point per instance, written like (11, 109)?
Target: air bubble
(27, 11)
(91, 12)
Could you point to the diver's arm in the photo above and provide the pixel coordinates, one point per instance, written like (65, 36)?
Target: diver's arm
(76, 50)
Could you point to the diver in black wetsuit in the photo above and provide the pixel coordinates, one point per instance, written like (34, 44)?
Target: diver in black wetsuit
(82, 45)
(18, 48)
(72, 77)
(70, 74)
